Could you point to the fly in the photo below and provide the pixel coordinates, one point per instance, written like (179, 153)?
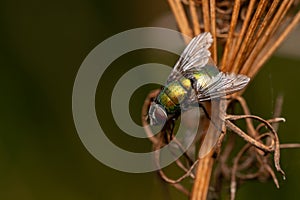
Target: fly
(194, 79)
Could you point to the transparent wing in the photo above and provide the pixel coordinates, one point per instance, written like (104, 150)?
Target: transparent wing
(194, 57)
(221, 85)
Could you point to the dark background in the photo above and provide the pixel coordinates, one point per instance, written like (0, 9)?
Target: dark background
(42, 45)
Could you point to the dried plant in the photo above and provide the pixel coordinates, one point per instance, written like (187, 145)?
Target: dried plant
(246, 33)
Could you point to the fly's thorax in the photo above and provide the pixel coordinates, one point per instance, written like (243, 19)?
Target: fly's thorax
(173, 94)
(164, 100)
(176, 92)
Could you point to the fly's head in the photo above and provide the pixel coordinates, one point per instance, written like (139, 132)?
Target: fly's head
(157, 114)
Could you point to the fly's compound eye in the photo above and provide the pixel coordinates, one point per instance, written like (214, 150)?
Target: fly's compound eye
(157, 114)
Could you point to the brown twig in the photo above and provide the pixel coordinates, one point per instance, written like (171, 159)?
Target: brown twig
(271, 48)
(194, 17)
(181, 18)
(213, 29)
(246, 137)
(268, 33)
(241, 35)
(229, 44)
(200, 188)
(249, 35)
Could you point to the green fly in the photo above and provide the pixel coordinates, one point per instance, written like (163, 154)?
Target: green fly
(194, 79)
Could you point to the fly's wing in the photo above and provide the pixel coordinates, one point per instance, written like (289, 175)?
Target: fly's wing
(221, 85)
(193, 58)
(196, 56)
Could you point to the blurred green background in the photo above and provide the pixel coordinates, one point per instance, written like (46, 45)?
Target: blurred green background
(42, 45)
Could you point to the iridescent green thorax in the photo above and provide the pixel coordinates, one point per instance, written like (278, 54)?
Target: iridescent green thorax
(176, 92)
(173, 94)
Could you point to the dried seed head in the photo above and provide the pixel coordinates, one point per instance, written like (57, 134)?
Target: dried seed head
(246, 33)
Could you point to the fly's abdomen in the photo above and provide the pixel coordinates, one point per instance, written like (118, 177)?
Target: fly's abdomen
(204, 76)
